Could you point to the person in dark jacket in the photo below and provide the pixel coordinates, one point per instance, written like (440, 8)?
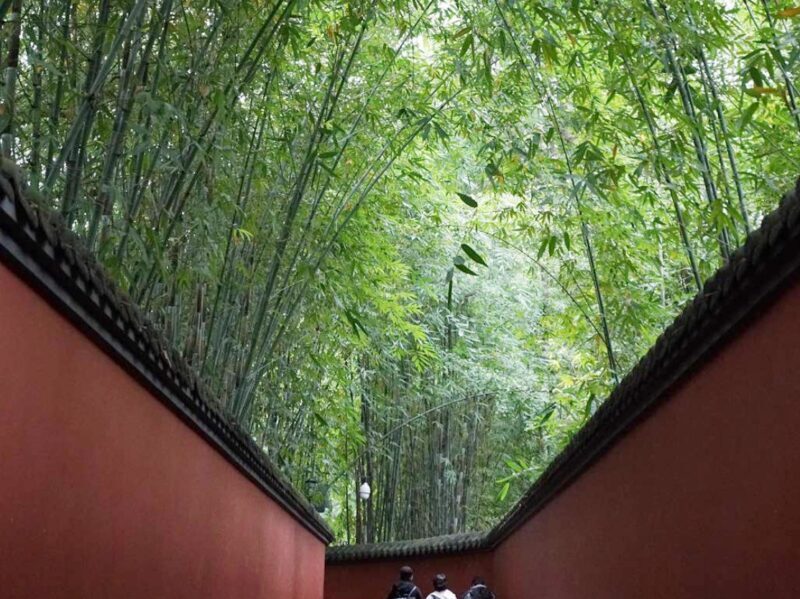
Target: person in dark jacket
(478, 590)
(405, 587)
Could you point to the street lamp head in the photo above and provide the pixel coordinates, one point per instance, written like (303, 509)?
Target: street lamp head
(364, 491)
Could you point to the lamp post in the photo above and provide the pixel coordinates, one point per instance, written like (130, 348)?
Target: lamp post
(363, 515)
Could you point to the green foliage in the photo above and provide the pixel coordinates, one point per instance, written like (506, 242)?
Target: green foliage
(282, 186)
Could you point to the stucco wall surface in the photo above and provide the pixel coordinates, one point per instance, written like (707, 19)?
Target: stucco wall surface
(105, 493)
(701, 499)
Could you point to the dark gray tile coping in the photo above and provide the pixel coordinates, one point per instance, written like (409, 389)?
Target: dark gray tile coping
(767, 263)
(39, 248)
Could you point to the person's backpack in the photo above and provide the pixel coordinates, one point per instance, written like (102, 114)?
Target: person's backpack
(410, 594)
(398, 592)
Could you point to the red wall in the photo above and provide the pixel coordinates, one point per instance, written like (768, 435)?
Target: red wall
(373, 579)
(702, 499)
(105, 493)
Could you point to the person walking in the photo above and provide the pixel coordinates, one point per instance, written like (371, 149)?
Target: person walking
(405, 587)
(440, 590)
(479, 590)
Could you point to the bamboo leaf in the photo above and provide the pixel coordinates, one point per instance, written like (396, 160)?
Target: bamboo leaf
(504, 491)
(466, 269)
(467, 199)
(468, 42)
(758, 91)
(542, 248)
(788, 13)
(747, 116)
(474, 256)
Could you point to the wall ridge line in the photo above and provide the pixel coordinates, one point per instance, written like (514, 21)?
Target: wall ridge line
(765, 264)
(39, 248)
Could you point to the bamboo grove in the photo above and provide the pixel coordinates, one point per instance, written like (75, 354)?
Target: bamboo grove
(412, 242)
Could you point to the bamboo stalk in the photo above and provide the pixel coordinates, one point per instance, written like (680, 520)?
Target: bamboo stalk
(75, 143)
(661, 169)
(55, 110)
(697, 138)
(104, 203)
(585, 234)
(791, 90)
(708, 78)
(10, 81)
(36, 58)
